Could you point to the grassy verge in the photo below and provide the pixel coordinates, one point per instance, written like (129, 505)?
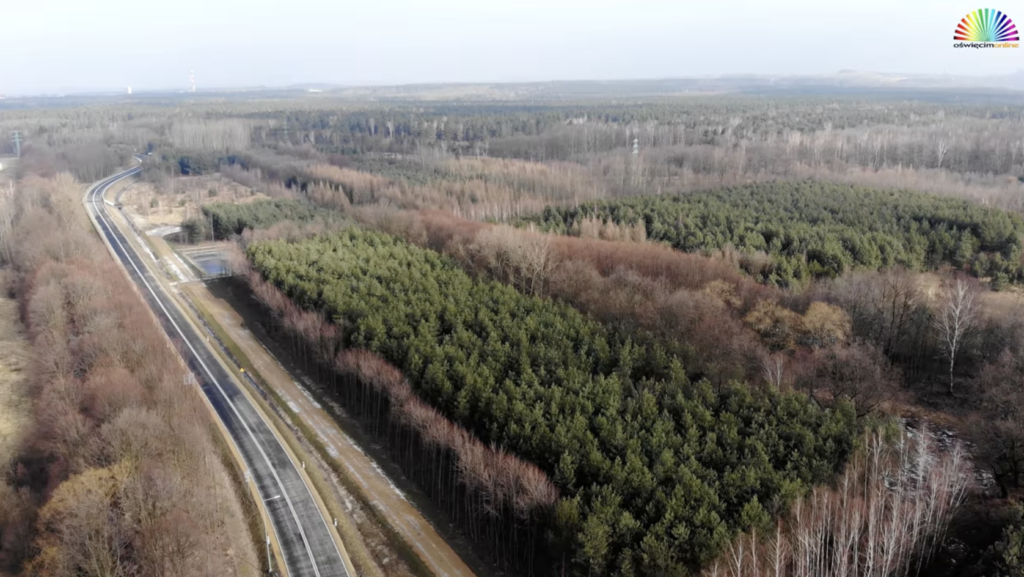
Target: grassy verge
(347, 530)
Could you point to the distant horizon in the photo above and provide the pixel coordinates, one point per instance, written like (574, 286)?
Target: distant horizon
(85, 91)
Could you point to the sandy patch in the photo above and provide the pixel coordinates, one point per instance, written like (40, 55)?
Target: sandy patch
(179, 199)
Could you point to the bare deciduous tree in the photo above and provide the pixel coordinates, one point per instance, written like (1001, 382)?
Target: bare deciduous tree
(1000, 437)
(885, 516)
(941, 148)
(857, 372)
(519, 258)
(772, 368)
(956, 318)
(211, 135)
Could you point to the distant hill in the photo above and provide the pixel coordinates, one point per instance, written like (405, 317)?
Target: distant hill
(1008, 87)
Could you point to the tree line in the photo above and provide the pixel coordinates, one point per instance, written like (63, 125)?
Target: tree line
(683, 143)
(812, 229)
(229, 220)
(123, 473)
(475, 187)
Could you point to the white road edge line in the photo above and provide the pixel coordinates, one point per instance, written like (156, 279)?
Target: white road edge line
(101, 213)
(209, 374)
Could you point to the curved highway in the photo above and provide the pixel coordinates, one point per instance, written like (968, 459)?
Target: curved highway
(305, 538)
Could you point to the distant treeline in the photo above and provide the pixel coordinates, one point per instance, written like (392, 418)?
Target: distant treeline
(958, 149)
(749, 134)
(813, 229)
(974, 148)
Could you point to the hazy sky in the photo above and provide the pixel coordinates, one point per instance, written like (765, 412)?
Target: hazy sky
(62, 45)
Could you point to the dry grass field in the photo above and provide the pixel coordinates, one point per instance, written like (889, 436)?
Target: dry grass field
(14, 405)
(152, 205)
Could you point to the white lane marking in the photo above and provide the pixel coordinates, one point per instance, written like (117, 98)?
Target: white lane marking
(266, 459)
(142, 277)
(199, 359)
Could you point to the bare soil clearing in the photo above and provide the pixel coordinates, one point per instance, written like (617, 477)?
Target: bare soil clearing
(150, 205)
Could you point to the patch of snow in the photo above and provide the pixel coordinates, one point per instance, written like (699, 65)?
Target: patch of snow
(164, 231)
(388, 479)
(352, 443)
(184, 267)
(145, 247)
(944, 439)
(348, 502)
(174, 268)
(307, 395)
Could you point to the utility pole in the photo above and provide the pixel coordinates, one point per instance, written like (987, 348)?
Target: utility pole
(16, 139)
(635, 168)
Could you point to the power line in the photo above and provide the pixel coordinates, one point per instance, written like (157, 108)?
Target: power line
(16, 139)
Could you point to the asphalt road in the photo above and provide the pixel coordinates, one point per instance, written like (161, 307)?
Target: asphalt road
(303, 533)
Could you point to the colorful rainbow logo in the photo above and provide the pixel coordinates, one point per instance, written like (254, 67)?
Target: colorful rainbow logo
(986, 25)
